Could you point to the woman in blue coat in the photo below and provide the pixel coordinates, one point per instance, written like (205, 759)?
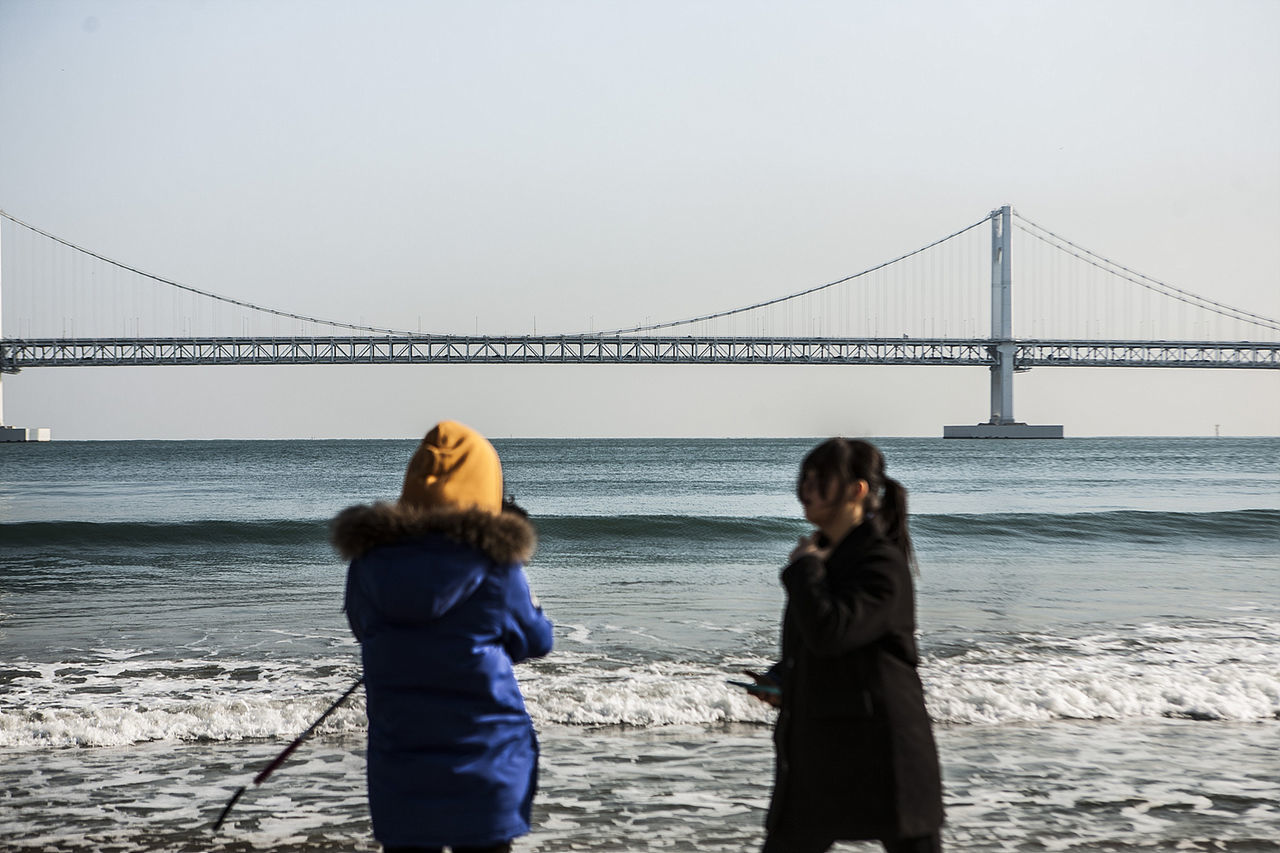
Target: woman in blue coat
(437, 596)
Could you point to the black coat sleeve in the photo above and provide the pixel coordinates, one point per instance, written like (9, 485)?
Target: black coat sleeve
(841, 607)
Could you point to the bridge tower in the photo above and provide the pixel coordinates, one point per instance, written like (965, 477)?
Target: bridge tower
(1002, 348)
(9, 433)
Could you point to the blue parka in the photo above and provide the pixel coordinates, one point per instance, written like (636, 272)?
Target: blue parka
(440, 604)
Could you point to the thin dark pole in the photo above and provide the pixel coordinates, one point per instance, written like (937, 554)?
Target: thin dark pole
(288, 750)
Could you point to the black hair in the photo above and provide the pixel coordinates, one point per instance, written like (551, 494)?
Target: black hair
(844, 461)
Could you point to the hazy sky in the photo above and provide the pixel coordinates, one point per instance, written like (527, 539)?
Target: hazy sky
(600, 163)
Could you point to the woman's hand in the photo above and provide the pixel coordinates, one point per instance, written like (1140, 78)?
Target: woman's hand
(807, 546)
(769, 698)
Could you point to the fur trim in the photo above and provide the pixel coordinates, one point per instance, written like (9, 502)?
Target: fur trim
(506, 538)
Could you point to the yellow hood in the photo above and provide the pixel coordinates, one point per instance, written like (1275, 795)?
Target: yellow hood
(456, 467)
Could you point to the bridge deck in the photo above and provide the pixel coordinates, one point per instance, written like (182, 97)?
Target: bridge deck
(16, 354)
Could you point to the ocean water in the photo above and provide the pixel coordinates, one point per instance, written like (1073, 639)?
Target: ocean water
(1099, 619)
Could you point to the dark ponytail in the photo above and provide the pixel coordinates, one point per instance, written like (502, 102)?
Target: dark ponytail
(892, 518)
(844, 461)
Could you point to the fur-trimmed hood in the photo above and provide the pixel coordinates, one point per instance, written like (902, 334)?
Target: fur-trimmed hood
(506, 538)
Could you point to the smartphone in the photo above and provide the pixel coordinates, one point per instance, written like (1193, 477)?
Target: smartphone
(769, 689)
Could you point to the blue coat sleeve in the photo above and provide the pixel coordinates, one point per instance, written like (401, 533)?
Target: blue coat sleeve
(528, 630)
(353, 605)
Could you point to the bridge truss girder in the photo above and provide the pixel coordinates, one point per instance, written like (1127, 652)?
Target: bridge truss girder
(16, 354)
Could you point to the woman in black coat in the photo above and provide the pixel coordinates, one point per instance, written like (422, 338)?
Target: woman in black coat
(855, 751)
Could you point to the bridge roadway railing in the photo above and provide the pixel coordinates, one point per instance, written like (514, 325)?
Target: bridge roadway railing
(16, 354)
(1236, 354)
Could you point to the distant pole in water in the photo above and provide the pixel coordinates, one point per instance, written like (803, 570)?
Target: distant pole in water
(1217, 430)
(288, 750)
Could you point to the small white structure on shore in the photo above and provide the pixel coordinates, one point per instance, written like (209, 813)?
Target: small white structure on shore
(12, 433)
(8, 433)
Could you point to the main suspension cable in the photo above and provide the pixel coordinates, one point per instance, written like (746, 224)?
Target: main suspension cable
(214, 296)
(719, 314)
(1152, 284)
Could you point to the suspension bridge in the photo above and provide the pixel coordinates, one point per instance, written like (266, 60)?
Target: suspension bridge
(947, 303)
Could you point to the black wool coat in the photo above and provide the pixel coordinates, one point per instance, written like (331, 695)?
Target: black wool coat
(855, 752)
